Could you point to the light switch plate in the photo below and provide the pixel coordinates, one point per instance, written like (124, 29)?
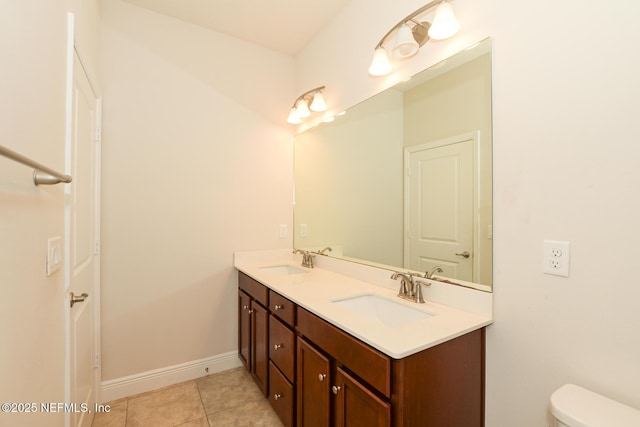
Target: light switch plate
(54, 255)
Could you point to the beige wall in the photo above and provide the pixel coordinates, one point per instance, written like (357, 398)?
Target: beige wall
(565, 168)
(32, 117)
(193, 170)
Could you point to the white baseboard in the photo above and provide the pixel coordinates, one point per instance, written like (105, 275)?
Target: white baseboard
(157, 378)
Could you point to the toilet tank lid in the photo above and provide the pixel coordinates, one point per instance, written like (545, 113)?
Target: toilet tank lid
(579, 407)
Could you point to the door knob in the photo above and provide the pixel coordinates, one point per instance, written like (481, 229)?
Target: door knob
(321, 377)
(79, 298)
(336, 389)
(464, 254)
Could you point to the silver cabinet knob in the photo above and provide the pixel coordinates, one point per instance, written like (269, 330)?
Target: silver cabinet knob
(321, 377)
(277, 346)
(335, 389)
(245, 307)
(278, 307)
(464, 254)
(277, 396)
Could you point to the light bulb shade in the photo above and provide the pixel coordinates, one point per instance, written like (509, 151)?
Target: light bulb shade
(318, 103)
(380, 64)
(405, 45)
(302, 109)
(293, 117)
(445, 23)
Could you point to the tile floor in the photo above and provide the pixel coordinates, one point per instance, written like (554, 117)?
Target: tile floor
(228, 398)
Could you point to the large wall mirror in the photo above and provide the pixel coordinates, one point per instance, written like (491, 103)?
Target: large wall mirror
(403, 180)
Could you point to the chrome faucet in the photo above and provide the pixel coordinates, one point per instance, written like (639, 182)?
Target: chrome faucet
(410, 287)
(307, 258)
(429, 274)
(322, 251)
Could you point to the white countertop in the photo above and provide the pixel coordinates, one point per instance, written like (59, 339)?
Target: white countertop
(318, 288)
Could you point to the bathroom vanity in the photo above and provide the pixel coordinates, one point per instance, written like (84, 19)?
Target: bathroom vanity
(321, 363)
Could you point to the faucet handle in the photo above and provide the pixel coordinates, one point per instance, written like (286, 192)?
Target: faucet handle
(418, 290)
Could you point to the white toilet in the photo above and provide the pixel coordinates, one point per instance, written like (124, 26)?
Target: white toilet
(573, 406)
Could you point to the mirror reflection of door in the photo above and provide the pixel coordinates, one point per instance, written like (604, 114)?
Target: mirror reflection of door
(439, 206)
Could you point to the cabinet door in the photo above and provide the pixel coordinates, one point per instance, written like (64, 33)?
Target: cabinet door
(260, 346)
(357, 406)
(244, 329)
(313, 387)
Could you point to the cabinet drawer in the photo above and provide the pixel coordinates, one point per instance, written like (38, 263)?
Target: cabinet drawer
(281, 395)
(282, 307)
(282, 347)
(364, 361)
(255, 289)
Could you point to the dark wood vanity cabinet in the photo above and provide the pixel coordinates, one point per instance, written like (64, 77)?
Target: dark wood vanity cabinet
(253, 330)
(341, 381)
(266, 343)
(323, 385)
(439, 386)
(282, 352)
(317, 375)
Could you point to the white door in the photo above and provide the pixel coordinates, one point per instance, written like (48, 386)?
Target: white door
(439, 206)
(82, 234)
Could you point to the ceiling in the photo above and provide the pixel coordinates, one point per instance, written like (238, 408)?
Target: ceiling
(285, 26)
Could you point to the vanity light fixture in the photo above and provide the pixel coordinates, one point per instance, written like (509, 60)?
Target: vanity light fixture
(411, 34)
(309, 101)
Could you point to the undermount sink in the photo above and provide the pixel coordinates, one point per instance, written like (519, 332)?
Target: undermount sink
(283, 270)
(390, 313)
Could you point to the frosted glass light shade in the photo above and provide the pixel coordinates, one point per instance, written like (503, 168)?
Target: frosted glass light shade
(293, 117)
(380, 64)
(405, 45)
(318, 103)
(302, 109)
(445, 23)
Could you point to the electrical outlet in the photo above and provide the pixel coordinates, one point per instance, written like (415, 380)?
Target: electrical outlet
(556, 258)
(283, 231)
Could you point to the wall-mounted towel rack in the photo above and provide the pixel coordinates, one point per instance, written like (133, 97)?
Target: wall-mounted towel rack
(42, 175)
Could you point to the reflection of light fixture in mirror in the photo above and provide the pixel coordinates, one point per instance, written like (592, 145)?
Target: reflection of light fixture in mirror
(409, 39)
(302, 108)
